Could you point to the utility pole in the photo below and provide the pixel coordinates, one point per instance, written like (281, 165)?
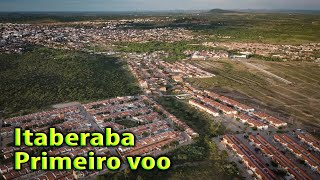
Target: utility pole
(94, 51)
(0, 128)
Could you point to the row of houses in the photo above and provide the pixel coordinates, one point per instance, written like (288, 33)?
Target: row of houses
(187, 70)
(112, 101)
(152, 144)
(229, 101)
(273, 121)
(277, 156)
(9, 173)
(16, 121)
(123, 114)
(8, 152)
(107, 113)
(204, 108)
(251, 121)
(57, 175)
(209, 105)
(204, 54)
(151, 78)
(153, 125)
(225, 109)
(251, 111)
(244, 113)
(236, 104)
(50, 175)
(252, 162)
(42, 120)
(148, 129)
(310, 140)
(155, 75)
(148, 118)
(108, 109)
(299, 151)
(64, 120)
(113, 125)
(174, 120)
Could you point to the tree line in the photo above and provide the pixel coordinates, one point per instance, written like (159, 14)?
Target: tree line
(39, 78)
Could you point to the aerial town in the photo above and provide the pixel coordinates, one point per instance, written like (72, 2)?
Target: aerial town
(182, 75)
(299, 144)
(303, 52)
(81, 36)
(159, 131)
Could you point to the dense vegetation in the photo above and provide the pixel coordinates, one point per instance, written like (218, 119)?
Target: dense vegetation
(265, 58)
(199, 160)
(43, 77)
(202, 123)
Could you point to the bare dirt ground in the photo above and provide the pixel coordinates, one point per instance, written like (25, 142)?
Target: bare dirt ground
(63, 105)
(297, 102)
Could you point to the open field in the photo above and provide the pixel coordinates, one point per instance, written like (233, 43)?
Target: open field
(296, 102)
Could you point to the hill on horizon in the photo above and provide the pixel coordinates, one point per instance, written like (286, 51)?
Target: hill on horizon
(220, 11)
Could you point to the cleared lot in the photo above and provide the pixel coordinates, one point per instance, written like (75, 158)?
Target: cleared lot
(297, 102)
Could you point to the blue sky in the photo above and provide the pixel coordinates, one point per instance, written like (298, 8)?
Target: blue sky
(136, 5)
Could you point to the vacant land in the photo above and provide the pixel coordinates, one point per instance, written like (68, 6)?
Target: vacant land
(42, 77)
(295, 102)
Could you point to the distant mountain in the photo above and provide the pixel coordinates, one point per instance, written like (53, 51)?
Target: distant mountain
(220, 11)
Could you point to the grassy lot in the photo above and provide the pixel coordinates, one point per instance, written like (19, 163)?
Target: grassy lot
(297, 102)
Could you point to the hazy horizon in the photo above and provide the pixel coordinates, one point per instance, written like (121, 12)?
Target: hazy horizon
(142, 11)
(147, 5)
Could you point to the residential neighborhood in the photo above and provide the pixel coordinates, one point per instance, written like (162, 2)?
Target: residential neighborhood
(157, 131)
(81, 36)
(159, 90)
(154, 74)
